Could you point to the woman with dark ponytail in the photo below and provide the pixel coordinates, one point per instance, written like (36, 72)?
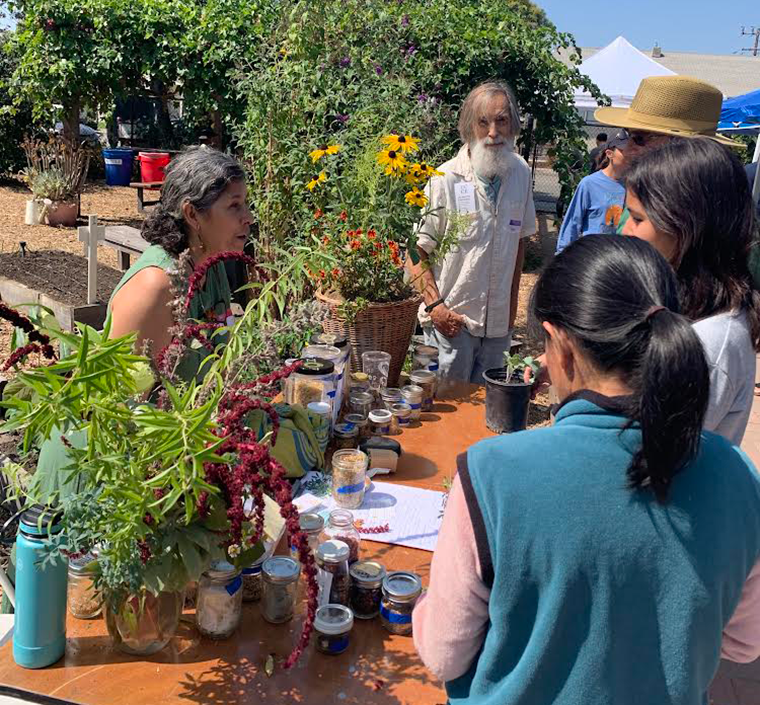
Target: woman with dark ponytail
(614, 556)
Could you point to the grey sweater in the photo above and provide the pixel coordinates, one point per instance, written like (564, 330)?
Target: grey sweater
(731, 360)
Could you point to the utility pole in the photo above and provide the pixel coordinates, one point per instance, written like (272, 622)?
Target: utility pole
(753, 32)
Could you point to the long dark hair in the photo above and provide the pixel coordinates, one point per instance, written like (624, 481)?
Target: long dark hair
(199, 176)
(696, 191)
(606, 293)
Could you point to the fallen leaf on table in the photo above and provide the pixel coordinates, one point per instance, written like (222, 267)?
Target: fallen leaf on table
(269, 666)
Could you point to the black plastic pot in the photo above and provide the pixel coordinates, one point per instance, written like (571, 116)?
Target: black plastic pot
(506, 402)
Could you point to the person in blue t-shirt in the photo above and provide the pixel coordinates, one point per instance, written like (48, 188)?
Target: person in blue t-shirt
(598, 202)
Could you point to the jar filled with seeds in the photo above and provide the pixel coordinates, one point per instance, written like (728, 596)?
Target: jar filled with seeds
(366, 588)
(380, 422)
(349, 472)
(252, 587)
(425, 379)
(412, 395)
(360, 403)
(280, 579)
(390, 396)
(345, 436)
(359, 382)
(402, 417)
(313, 381)
(82, 599)
(332, 578)
(312, 525)
(400, 592)
(333, 624)
(219, 601)
(340, 526)
(361, 423)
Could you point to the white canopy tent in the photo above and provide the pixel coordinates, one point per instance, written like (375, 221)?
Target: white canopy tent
(617, 70)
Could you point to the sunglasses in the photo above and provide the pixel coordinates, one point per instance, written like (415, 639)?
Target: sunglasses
(640, 139)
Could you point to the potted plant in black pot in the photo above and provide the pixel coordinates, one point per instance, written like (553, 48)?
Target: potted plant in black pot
(508, 395)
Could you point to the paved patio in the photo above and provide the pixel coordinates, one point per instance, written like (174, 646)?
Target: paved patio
(739, 684)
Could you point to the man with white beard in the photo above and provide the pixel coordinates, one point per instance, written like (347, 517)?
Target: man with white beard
(470, 294)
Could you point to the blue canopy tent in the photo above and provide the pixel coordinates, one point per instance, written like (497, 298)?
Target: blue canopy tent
(741, 116)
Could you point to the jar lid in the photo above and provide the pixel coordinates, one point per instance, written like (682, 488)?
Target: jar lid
(314, 366)
(390, 393)
(328, 352)
(336, 339)
(319, 407)
(402, 586)
(380, 415)
(401, 409)
(412, 390)
(333, 619)
(82, 564)
(426, 351)
(342, 517)
(355, 419)
(280, 569)
(359, 377)
(346, 430)
(311, 523)
(333, 551)
(423, 376)
(222, 570)
(361, 397)
(368, 573)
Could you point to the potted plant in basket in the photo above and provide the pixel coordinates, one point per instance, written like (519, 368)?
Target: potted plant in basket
(508, 395)
(365, 211)
(163, 485)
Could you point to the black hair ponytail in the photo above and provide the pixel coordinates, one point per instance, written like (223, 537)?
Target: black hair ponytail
(617, 298)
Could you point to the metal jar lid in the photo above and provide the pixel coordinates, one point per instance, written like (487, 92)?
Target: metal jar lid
(402, 586)
(346, 430)
(333, 619)
(336, 339)
(412, 390)
(333, 551)
(424, 376)
(315, 366)
(368, 574)
(401, 409)
(280, 569)
(222, 570)
(311, 523)
(390, 393)
(82, 565)
(327, 352)
(380, 416)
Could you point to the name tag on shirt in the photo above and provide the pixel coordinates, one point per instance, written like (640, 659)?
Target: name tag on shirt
(465, 197)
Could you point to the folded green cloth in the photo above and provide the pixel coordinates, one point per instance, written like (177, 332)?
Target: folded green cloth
(301, 439)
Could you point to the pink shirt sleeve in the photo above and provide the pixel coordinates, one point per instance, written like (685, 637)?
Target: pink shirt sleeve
(741, 636)
(450, 620)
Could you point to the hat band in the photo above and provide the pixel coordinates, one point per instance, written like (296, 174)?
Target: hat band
(658, 122)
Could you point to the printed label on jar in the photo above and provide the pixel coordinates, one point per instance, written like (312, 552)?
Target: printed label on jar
(252, 570)
(415, 406)
(351, 489)
(337, 644)
(403, 420)
(395, 617)
(324, 583)
(234, 586)
(382, 430)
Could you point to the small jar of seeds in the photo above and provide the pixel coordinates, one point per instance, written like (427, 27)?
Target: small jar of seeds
(366, 588)
(280, 581)
(400, 592)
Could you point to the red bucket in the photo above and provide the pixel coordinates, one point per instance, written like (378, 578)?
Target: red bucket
(152, 165)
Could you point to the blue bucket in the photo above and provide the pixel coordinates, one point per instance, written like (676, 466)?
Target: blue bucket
(118, 166)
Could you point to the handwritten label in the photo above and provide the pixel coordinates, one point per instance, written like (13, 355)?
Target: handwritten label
(465, 197)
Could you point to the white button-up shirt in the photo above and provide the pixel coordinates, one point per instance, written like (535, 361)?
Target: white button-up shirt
(475, 277)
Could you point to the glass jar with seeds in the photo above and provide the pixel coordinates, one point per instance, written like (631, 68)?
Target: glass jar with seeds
(349, 471)
(280, 580)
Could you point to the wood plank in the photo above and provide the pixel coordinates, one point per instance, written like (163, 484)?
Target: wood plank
(125, 237)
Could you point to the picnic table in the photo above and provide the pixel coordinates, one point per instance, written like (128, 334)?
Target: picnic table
(141, 186)
(127, 241)
(378, 667)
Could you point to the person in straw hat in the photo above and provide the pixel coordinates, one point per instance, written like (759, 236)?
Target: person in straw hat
(665, 107)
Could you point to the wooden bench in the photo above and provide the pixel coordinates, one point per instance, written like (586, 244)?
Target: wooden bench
(141, 186)
(127, 241)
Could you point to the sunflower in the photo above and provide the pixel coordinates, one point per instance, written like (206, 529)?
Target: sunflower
(415, 197)
(323, 151)
(394, 162)
(401, 143)
(318, 179)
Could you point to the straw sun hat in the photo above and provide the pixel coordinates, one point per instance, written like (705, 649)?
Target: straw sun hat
(671, 105)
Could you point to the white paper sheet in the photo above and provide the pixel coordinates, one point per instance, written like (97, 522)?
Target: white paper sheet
(413, 515)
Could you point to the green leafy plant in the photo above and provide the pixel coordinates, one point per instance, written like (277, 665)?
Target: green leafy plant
(515, 365)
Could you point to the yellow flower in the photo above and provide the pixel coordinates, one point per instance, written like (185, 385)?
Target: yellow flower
(324, 150)
(401, 143)
(316, 181)
(428, 170)
(415, 197)
(394, 162)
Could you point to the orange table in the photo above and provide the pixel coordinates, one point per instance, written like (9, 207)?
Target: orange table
(377, 668)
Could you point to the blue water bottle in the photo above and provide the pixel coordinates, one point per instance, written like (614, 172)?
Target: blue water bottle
(39, 630)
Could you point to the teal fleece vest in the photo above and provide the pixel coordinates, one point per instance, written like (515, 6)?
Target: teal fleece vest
(599, 594)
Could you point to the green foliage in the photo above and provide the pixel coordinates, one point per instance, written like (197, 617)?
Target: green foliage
(517, 364)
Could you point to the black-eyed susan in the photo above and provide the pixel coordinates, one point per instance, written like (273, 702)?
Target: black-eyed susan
(318, 179)
(401, 143)
(415, 197)
(393, 161)
(323, 151)
(427, 170)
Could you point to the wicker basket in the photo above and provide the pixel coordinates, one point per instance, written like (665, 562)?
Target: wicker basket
(387, 327)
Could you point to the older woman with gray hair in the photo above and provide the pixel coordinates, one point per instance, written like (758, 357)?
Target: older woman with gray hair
(203, 211)
(470, 294)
